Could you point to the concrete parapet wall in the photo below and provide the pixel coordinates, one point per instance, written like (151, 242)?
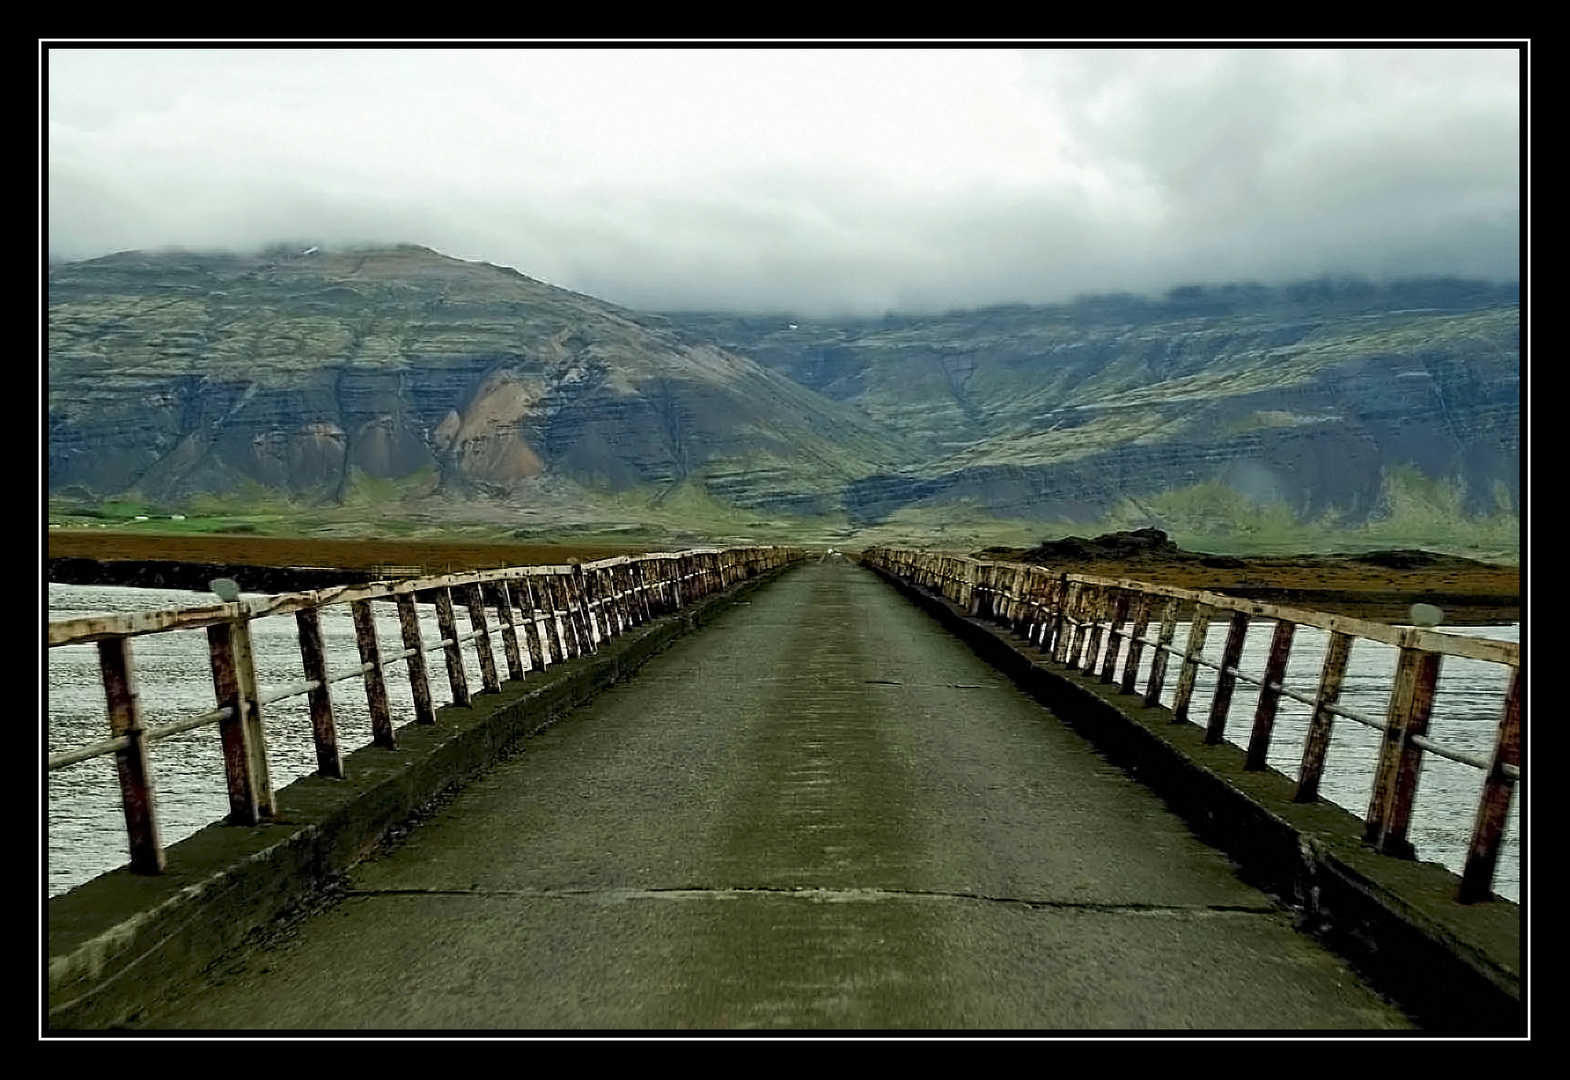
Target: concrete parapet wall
(1455, 967)
(123, 940)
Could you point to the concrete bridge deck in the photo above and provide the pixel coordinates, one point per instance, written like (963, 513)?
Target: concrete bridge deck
(823, 812)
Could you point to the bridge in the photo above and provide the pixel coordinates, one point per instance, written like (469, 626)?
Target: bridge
(906, 792)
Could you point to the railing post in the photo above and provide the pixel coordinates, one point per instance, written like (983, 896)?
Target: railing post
(135, 771)
(1136, 643)
(1226, 678)
(375, 686)
(482, 641)
(1120, 604)
(1158, 663)
(1338, 649)
(1270, 694)
(1197, 631)
(1066, 624)
(555, 633)
(504, 615)
(1493, 808)
(577, 613)
(452, 650)
(314, 660)
(585, 587)
(244, 743)
(1400, 760)
(643, 606)
(1096, 611)
(531, 623)
(413, 647)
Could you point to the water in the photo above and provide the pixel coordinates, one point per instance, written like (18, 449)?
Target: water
(86, 830)
(86, 827)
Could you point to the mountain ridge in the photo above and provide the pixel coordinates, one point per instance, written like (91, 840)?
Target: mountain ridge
(404, 373)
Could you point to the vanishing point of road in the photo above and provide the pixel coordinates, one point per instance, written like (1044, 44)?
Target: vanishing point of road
(822, 812)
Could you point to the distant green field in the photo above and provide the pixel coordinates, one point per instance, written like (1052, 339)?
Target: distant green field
(1419, 513)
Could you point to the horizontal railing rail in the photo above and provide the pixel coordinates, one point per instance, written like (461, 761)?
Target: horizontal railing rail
(562, 611)
(1084, 622)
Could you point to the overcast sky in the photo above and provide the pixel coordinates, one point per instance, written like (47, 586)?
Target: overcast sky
(805, 180)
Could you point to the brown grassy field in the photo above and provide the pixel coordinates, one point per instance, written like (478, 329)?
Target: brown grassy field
(1468, 592)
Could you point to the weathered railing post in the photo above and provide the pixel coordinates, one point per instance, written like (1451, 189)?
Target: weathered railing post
(375, 686)
(504, 615)
(1226, 678)
(414, 652)
(1095, 613)
(1120, 605)
(644, 603)
(531, 623)
(575, 605)
(1136, 642)
(1197, 631)
(1493, 809)
(452, 649)
(1066, 625)
(587, 587)
(244, 743)
(482, 641)
(135, 772)
(1270, 694)
(1400, 760)
(555, 635)
(1338, 649)
(329, 762)
(1158, 663)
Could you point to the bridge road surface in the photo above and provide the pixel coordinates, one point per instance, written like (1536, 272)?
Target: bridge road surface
(821, 812)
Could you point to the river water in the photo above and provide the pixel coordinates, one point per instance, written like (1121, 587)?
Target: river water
(86, 831)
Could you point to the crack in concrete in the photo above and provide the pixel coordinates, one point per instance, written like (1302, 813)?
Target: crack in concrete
(823, 895)
(928, 686)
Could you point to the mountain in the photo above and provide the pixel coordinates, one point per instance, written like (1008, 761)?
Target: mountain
(311, 372)
(1309, 397)
(389, 375)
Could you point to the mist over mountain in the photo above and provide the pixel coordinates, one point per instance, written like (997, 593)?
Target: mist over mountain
(392, 375)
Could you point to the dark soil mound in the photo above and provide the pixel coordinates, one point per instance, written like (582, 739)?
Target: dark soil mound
(1139, 544)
